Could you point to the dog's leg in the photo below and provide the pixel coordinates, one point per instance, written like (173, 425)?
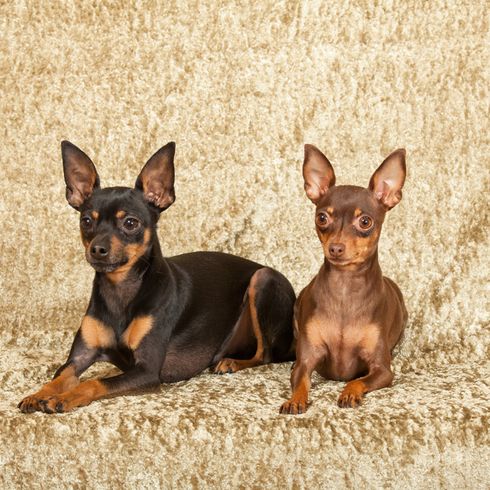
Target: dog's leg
(307, 357)
(148, 350)
(81, 357)
(270, 307)
(137, 378)
(379, 376)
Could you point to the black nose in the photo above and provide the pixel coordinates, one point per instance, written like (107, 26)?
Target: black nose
(99, 251)
(336, 249)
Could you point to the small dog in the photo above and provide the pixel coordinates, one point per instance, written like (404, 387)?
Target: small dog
(349, 318)
(159, 320)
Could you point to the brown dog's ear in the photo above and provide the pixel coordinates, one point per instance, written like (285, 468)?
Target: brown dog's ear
(388, 180)
(156, 180)
(318, 174)
(80, 174)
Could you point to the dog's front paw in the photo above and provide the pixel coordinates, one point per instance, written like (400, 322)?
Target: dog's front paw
(41, 402)
(47, 403)
(35, 403)
(352, 395)
(294, 407)
(50, 405)
(30, 404)
(61, 403)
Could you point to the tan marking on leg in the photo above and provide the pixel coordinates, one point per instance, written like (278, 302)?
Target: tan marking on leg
(95, 334)
(301, 383)
(352, 394)
(228, 365)
(308, 354)
(133, 251)
(259, 354)
(79, 396)
(298, 403)
(120, 214)
(66, 380)
(136, 330)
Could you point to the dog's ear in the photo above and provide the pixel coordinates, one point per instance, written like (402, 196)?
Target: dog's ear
(156, 180)
(318, 173)
(80, 174)
(388, 180)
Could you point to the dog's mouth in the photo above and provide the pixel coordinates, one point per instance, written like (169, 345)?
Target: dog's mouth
(100, 266)
(343, 262)
(340, 262)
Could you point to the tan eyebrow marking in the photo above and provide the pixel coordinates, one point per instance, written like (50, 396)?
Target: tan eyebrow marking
(120, 214)
(357, 212)
(330, 210)
(94, 214)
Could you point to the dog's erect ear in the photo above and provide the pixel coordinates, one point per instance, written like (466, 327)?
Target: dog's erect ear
(80, 174)
(388, 180)
(318, 174)
(156, 180)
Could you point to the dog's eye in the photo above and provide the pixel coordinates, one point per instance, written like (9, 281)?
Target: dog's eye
(322, 219)
(86, 222)
(131, 224)
(365, 222)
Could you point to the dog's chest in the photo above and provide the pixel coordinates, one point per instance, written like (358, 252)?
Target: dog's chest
(346, 345)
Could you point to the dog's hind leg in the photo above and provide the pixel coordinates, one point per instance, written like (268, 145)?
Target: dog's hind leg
(264, 326)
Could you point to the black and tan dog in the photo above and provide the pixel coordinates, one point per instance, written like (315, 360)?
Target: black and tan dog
(349, 318)
(159, 319)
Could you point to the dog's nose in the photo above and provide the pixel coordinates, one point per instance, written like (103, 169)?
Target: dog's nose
(336, 249)
(99, 251)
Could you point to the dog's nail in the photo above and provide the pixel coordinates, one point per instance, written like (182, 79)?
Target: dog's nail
(47, 409)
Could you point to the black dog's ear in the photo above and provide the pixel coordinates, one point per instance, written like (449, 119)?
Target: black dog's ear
(156, 180)
(80, 174)
(318, 173)
(388, 180)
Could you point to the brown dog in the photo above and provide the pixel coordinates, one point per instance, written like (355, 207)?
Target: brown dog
(349, 318)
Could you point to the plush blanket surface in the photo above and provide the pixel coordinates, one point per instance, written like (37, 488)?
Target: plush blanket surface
(240, 87)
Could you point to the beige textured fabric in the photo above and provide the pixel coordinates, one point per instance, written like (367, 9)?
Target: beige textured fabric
(240, 86)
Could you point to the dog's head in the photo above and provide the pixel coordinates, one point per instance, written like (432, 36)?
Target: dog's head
(118, 224)
(349, 218)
